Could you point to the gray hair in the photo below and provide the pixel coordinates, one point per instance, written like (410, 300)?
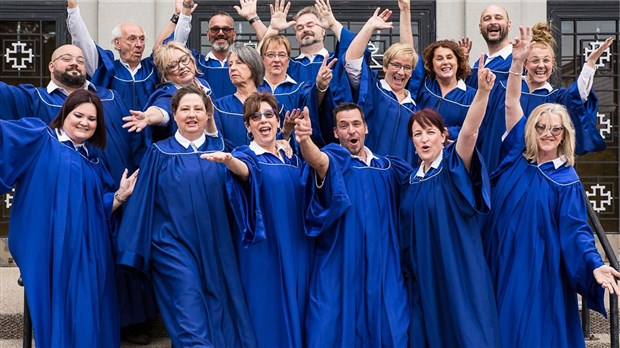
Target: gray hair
(116, 34)
(250, 57)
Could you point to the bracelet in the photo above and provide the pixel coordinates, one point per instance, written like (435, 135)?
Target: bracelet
(188, 4)
(175, 18)
(120, 198)
(254, 20)
(321, 90)
(514, 73)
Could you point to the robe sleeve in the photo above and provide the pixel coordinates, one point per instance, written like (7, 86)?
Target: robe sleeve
(325, 206)
(134, 237)
(245, 199)
(14, 103)
(416, 81)
(583, 116)
(104, 75)
(471, 189)
(20, 142)
(578, 250)
(512, 147)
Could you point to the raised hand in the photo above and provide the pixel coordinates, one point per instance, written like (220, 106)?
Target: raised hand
(178, 6)
(136, 122)
(289, 122)
(404, 5)
(379, 21)
(246, 9)
(219, 157)
(522, 45)
(303, 127)
(326, 16)
(279, 12)
(324, 76)
(597, 53)
(486, 78)
(465, 45)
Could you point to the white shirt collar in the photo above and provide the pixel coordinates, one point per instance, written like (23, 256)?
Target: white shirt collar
(547, 86)
(187, 143)
(460, 84)
(287, 79)
(132, 71)
(558, 162)
(62, 136)
(369, 156)
(211, 56)
(420, 173)
(51, 87)
(323, 52)
(504, 53)
(387, 87)
(259, 150)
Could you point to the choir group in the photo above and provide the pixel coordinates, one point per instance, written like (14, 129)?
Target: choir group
(252, 198)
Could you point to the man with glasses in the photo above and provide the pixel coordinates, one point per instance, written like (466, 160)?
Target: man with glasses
(133, 77)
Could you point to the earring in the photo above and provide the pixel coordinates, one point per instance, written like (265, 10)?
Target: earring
(249, 135)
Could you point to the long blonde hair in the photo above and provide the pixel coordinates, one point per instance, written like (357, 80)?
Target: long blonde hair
(567, 145)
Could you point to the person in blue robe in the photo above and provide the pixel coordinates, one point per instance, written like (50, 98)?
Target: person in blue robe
(442, 87)
(538, 244)
(181, 235)
(356, 295)
(387, 103)
(449, 286)
(177, 68)
(273, 250)
(579, 98)
(59, 230)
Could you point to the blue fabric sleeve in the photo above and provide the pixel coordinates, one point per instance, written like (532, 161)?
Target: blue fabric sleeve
(471, 189)
(583, 116)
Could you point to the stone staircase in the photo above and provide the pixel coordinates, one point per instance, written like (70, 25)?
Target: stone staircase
(12, 304)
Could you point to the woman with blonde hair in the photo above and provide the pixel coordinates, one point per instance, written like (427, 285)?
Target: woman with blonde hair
(538, 244)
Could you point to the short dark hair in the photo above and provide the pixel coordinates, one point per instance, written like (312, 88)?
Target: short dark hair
(253, 101)
(346, 106)
(427, 118)
(191, 89)
(75, 99)
(462, 70)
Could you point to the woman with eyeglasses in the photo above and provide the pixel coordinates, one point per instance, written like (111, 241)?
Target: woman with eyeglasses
(578, 98)
(60, 224)
(272, 248)
(177, 69)
(539, 246)
(178, 229)
(386, 102)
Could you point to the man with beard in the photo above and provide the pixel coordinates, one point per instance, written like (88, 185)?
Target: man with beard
(134, 78)
(67, 69)
(494, 27)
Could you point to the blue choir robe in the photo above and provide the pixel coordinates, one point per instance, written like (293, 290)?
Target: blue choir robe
(357, 295)
(229, 120)
(180, 234)
(134, 90)
(386, 118)
(498, 65)
(540, 250)
(59, 236)
(161, 99)
(273, 250)
(452, 107)
(216, 73)
(123, 149)
(583, 116)
(302, 69)
(450, 292)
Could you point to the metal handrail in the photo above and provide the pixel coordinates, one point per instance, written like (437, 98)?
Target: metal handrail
(613, 299)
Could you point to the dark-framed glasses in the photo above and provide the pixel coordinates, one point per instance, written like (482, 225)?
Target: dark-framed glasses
(176, 64)
(541, 129)
(267, 113)
(398, 66)
(215, 30)
(273, 55)
(68, 58)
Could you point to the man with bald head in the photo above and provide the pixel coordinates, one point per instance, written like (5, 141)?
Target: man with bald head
(494, 27)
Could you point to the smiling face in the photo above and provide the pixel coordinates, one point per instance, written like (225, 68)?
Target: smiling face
(351, 131)
(181, 69)
(445, 64)
(130, 45)
(221, 33)
(81, 123)
(428, 142)
(191, 116)
(539, 66)
(308, 32)
(494, 25)
(547, 142)
(276, 61)
(398, 71)
(67, 67)
(264, 129)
